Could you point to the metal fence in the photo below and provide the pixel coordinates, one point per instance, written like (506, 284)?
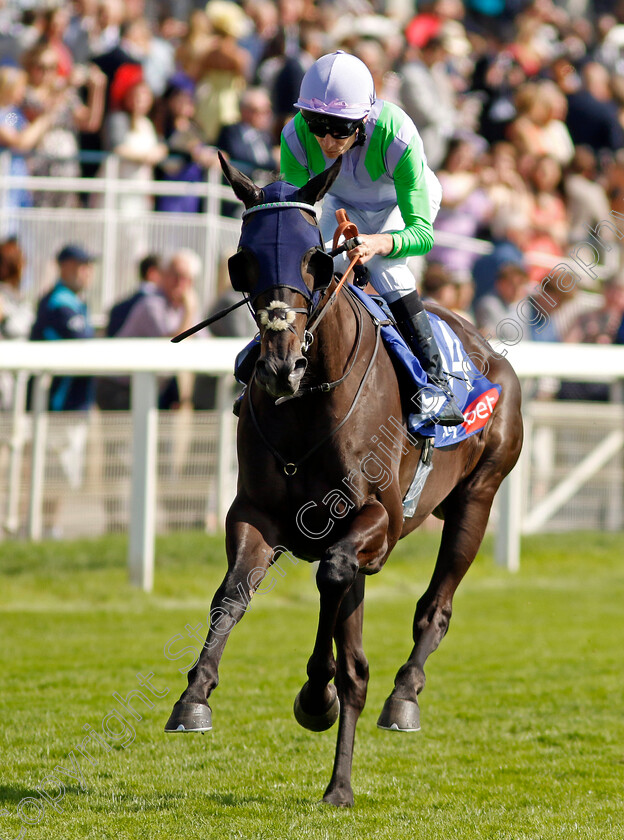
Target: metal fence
(87, 473)
(572, 471)
(120, 238)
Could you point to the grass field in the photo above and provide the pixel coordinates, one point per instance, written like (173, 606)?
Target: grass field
(523, 713)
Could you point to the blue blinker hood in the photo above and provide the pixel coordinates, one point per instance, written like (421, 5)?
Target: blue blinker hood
(279, 237)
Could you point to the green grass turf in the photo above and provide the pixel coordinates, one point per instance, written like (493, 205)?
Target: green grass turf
(523, 724)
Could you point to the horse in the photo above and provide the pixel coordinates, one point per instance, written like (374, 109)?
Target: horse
(323, 388)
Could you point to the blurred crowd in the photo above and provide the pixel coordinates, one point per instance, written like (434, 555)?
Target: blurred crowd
(520, 104)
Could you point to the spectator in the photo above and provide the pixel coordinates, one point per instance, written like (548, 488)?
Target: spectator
(110, 16)
(496, 77)
(592, 120)
(496, 313)
(62, 314)
(439, 285)
(150, 274)
(81, 29)
(506, 189)
(59, 147)
(55, 23)
(188, 156)
(249, 142)
(509, 231)
(599, 326)
(18, 135)
(194, 45)
(169, 311)
(538, 128)
(586, 199)
(465, 205)
(264, 16)
(130, 134)
(223, 69)
(111, 393)
(16, 315)
(155, 55)
(428, 97)
(550, 230)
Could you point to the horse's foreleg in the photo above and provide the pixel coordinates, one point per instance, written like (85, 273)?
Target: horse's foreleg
(249, 556)
(466, 515)
(317, 705)
(351, 682)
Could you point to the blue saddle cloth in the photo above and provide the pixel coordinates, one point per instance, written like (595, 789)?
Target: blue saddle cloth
(475, 394)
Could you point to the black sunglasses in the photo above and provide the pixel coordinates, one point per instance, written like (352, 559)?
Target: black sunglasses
(337, 128)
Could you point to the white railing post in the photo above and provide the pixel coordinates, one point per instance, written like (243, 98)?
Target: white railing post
(109, 243)
(143, 488)
(41, 387)
(16, 450)
(507, 544)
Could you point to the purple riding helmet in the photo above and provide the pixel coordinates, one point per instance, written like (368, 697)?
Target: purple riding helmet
(337, 85)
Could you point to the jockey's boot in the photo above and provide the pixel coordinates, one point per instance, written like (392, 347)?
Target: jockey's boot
(413, 322)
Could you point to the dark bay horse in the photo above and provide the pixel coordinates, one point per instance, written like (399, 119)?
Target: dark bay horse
(323, 396)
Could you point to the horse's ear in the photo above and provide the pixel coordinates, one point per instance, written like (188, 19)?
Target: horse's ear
(316, 187)
(244, 188)
(243, 271)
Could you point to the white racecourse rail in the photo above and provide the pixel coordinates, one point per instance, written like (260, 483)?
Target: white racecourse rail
(145, 359)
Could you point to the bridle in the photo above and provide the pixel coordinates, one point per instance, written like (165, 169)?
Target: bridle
(319, 303)
(277, 315)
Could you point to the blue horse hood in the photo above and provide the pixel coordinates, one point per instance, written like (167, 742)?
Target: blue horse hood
(279, 237)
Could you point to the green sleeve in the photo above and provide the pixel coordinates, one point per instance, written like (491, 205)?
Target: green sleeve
(290, 168)
(413, 200)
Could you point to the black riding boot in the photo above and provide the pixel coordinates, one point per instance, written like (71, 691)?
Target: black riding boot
(413, 322)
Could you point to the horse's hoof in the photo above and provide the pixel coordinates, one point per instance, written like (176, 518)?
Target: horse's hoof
(339, 798)
(318, 723)
(189, 717)
(399, 715)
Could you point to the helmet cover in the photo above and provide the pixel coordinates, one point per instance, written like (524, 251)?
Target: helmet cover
(339, 85)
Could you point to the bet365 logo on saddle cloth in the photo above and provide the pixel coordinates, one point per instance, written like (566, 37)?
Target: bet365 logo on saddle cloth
(478, 412)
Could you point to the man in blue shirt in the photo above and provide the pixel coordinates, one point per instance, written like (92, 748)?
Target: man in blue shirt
(62, 314)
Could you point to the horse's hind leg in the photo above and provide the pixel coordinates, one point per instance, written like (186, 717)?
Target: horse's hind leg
(466, 513)
(351, 682)
(249, 556)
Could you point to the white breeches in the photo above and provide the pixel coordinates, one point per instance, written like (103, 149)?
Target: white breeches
(390, 277)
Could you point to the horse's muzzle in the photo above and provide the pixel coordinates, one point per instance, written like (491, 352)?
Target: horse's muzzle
(280, 377)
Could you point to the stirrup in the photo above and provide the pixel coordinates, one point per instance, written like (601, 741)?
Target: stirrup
(448, 414)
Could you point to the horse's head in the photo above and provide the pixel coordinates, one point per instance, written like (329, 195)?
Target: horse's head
(282, 265)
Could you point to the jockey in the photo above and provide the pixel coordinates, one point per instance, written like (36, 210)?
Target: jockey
(385, 186)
